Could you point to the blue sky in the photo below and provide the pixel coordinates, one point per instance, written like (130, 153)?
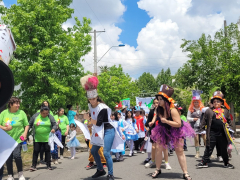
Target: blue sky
(134, 20)
(8, 3)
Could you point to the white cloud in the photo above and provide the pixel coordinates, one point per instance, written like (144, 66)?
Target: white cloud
(159, 41)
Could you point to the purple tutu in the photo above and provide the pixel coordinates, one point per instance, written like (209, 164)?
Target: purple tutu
(166, 136)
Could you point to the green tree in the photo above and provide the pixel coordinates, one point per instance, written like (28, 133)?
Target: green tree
(104, 69)
(47, 60)
(115, 85)
(164, 77)
(147, 84)
(213, 62)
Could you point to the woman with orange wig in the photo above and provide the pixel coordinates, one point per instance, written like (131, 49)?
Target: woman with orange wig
(193, 116)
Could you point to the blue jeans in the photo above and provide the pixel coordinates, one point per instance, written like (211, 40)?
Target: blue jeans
(109, 135)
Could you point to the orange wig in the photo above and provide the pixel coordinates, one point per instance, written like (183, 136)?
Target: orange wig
(191, 107)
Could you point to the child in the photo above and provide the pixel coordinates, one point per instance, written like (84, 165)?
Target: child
(140, 125)
(72, 141)
(54, 152)
(131, 134)
(117, 116)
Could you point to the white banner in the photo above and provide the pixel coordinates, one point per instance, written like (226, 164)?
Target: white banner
(126, 103)
(7, 44)
(8, 144)
(145, 103)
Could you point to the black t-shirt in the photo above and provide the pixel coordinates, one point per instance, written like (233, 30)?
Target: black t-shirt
(216, 127)
(103, 117)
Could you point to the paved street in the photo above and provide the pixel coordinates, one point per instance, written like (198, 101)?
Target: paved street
(132, 169)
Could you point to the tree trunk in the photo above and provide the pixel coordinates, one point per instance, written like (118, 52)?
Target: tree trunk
(232, 113)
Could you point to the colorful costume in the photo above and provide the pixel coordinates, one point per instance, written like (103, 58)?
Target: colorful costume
(164, 133)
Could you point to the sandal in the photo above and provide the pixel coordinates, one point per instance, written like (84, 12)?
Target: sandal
(156, 173)
(186, 177)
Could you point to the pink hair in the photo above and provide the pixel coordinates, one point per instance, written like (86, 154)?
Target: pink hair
(89, 82)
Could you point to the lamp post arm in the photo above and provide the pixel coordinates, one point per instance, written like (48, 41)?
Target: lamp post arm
(105, 53)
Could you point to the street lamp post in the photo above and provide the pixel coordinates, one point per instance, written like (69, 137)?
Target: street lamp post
(95, 57)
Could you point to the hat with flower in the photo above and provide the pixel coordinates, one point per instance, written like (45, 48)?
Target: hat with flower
(90, 84)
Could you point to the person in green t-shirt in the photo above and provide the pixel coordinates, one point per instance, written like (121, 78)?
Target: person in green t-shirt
(63, 123)
(42, 124)
(180, 111)
(44, 104)
(15, 123)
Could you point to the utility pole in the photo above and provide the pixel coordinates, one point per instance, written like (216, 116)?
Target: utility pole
(95, 50)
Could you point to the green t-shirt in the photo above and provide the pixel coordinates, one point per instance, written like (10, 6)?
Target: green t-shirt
(50, 112)
(42, 128)
(62, 123)
(17, 120)
(183, 118)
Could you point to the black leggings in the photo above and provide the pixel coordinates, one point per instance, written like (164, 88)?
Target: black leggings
(42, 154)
(222, 145)
(37, 148)
(63, 143)
(16, 154)
(138, 143)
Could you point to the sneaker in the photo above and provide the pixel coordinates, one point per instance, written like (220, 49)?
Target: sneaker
(56, 162)
(212, 157)
(147, 160)
(220, 159)
(110, 177)
(121, 158)
(72, 158)
(143, 152)
(90, 165)
(168, 167)
(230, 166)
(49, 168)
(197, 155)
(61, 157)
(10, 177)
(130, 154)
(149, 164)
(20, 176)
(33, 168)
(202, 165)
(117, 160)
(135, 152)
(104, 166)
(99, 173)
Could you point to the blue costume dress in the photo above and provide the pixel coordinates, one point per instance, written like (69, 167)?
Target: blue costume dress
(73, 140)
(130, 131)
(119, 130)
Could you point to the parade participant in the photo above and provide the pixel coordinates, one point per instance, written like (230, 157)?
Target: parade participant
(100, 151)
(15, 123)
(42, 124)
(217, 119)
(54, 152)
(193, 116)
(63, 124)
(73, 141)
(71, 114)
(123, 111)
(140, 125)
(130, 130)
(46, 104)
(180, 111)
(119, 153)
(170, 129)
(151, 114)
(104, 133)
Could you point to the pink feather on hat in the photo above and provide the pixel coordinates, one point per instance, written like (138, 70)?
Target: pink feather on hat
(89, 82)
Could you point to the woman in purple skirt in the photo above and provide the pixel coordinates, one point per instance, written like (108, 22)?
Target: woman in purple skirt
(170, 130)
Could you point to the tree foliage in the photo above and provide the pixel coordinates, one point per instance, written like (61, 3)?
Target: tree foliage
(115, 85)
(214, 62)
(164, 77)
(147, 84)
(47, 60)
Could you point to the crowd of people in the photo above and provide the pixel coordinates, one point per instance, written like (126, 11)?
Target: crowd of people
(160, 132)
